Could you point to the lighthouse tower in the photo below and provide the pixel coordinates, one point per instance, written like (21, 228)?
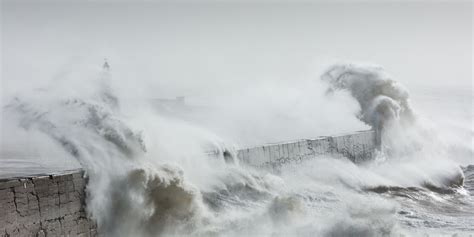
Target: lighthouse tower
(106, 65)
(106, 93)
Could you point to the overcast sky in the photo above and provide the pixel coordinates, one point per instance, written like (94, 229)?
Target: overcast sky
(197, 48)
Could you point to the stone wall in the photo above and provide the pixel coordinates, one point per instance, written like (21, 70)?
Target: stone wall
(358, 147)
(50, 205)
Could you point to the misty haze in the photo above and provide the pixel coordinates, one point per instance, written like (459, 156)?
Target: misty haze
(236, 118)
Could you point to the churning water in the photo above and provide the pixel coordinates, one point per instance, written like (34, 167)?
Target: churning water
(149, 174)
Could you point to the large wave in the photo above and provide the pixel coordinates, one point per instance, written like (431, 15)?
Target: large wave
(385, 106)
(383, 101)
(380, 97)
(151, 175)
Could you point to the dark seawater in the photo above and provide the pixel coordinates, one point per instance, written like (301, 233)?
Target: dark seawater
(437, 212)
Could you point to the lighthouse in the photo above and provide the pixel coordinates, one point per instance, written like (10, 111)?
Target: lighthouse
(106, 65)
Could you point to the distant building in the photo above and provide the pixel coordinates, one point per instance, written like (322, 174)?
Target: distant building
(177, 102)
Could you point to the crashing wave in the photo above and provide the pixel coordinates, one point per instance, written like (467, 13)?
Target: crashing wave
(382, 100)
(94, 117)
(127, 195)
(131, 196)
(150, 202)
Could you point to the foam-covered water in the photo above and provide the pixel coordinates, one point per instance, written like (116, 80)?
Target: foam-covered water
(149, 174)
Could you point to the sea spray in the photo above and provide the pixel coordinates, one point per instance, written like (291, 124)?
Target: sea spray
(401, 134)
(152, 175)
(153, 201)
(376, 92)
(137, 187)
(384, 103)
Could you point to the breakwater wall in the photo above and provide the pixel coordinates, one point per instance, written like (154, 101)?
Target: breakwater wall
(358, 147)
(54, 204)
(45, 205)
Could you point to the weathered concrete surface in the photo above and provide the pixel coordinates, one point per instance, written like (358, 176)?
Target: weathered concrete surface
(53, 205)
(358, 147)
(45, 206)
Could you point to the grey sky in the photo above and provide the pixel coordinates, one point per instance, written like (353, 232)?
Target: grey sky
(201, 48)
